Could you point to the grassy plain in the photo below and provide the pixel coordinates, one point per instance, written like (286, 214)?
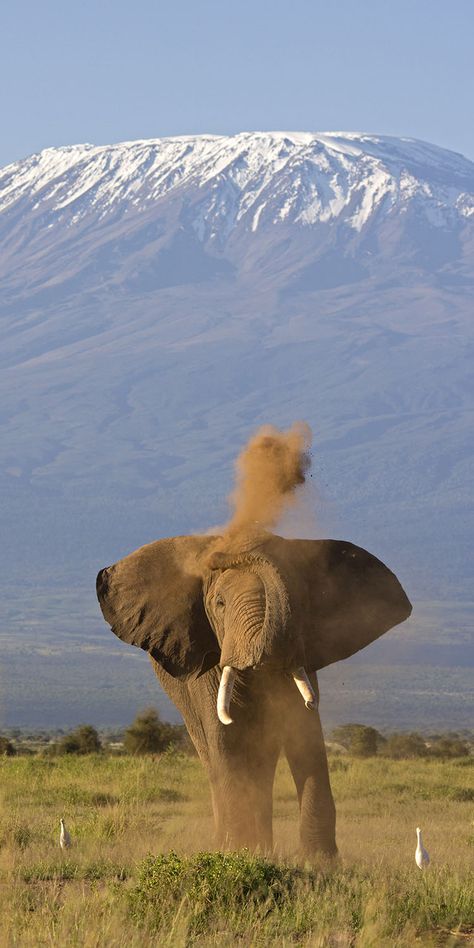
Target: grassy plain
(105, 892)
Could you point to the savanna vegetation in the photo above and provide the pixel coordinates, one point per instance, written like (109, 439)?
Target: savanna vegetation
(141, 870)
(362, 741)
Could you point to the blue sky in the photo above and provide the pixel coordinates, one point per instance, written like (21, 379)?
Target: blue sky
(109, 70)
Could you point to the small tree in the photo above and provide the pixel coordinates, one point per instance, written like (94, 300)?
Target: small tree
(6, 747)
(401, 746)
(358, 739)
(449, 747)
(149, 735)
(83, 740)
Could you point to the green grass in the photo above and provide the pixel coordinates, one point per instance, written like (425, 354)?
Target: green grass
(140, 871)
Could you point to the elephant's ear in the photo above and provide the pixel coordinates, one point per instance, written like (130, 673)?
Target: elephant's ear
(354, 598)
(153, 599)
(342, 598)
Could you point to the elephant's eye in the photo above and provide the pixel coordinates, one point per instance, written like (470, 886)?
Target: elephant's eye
(219, 602)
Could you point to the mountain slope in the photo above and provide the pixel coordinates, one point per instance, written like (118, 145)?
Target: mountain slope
(162, 299)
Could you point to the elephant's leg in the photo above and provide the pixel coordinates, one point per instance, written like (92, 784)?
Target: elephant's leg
(242, 788)
(240, 760)
(306, 755)
(263, 808)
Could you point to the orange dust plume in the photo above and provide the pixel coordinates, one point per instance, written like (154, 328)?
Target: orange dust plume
(269, 469)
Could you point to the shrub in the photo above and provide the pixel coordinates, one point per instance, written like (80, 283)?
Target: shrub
(358, 739)
(6, 747)
(149, 735)
(401, 746)
(212, 885)
(449, 747)
(83, 740)
(254, 899)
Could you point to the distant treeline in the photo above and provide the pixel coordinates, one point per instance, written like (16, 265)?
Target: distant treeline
(148, 734)
(363, 741)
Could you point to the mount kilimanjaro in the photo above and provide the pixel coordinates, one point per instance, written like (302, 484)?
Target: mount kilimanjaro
(161, 299)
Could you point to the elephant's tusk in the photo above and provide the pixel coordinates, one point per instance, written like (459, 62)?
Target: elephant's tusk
(225, 694)
(305, 688)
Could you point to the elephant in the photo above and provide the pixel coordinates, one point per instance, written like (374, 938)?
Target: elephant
(236, 633)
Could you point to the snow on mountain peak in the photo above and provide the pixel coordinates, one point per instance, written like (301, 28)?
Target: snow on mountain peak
(255, 179)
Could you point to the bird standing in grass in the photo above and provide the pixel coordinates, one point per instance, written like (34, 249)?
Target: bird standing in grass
(422, 858)
(64, 836)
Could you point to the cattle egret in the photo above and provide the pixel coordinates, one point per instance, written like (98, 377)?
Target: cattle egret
(422, 858)
(64, 836)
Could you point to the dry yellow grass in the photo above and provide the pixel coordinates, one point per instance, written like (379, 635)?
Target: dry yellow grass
(120, 809)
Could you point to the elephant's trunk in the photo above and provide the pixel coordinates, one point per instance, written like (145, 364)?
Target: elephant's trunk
(224, 694)
(305, 688)
(260, 619)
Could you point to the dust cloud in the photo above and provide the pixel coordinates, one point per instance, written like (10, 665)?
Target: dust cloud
(271, 467)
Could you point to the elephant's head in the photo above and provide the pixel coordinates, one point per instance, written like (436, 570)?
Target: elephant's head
(248, 606)
(291, 605)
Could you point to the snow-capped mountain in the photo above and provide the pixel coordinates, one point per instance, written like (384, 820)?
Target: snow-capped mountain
(253, 179)
(279, 213)
(161, 299)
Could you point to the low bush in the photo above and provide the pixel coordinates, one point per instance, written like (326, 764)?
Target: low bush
(405, 746)
(447, 747)
(212, 885)
(359, 739)
(7, 749)
(83, 740)
(149, 735)
(262, 902)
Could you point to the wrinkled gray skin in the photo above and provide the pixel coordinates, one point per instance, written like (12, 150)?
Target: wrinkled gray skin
(265, 609)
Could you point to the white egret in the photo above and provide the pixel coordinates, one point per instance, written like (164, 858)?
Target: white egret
(64, 836)
(422, 858)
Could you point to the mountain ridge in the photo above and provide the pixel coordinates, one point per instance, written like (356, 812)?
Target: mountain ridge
(241, 157)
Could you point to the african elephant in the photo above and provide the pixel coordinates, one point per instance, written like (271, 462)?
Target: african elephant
(242, 632)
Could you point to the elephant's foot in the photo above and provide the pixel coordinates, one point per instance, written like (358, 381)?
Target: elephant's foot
(232, 840)
(323, 857)
(318, 842)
